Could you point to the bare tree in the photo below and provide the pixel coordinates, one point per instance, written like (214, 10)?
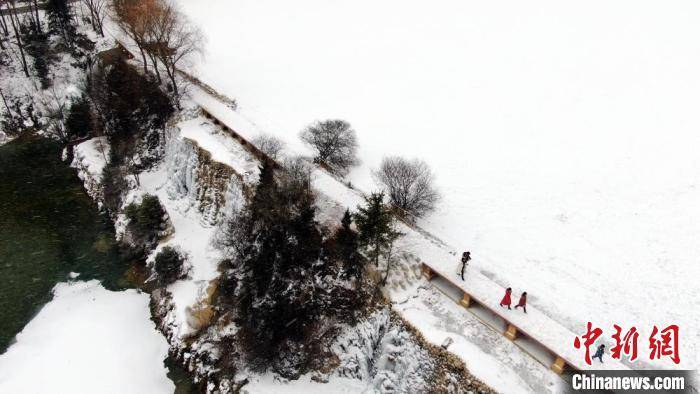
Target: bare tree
(36, 15)
(3, 22)
(298, 171)
(14, 20)
(3, 26)
(409, 184)
(173, 40)
(4, 100)
(98, 12)
(133, 18)
(334, 141)
(269, 144)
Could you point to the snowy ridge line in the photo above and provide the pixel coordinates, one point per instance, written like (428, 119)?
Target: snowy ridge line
(540, 328)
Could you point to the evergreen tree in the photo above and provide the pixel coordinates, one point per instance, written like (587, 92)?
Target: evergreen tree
(146, 220)
(132, 108)
(346, 249)
(374, 222)
(61, 21)
(37, 45)
(79, 121)
(278, 247)
(168, 265)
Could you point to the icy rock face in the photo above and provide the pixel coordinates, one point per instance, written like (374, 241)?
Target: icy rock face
(89, 159)
(206, 185)
(382, 352)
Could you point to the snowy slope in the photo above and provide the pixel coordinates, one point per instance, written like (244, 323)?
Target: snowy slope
(564, 136)
(88, 340)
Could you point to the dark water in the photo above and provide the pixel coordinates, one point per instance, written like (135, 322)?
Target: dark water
(50, 227)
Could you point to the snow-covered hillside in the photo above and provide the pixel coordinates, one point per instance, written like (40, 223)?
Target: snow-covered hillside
(564, 136)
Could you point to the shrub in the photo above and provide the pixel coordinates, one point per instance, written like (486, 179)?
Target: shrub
(114, 185)
(146, 220)
(79, 119)
(169, 265)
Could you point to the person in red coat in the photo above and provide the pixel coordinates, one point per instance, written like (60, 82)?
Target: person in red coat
(506, 298)
(523, 301)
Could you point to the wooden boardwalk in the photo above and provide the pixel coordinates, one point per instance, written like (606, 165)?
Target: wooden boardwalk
(537, 333)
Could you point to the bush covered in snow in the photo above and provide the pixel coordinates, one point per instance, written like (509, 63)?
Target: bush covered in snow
(147, 221)
(169, 265)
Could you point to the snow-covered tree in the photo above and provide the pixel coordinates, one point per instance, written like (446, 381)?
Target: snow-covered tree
(169, 265)
(346, 249)
(409, 184)
(335, 143)
(375, 224)
(277, 244)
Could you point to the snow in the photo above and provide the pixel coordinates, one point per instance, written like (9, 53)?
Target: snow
(88, 340)
(65, 74)
(269, 384)
(222, 148)
(481, 363)
(473, 344)
(191, 237)
(535, 324)
(564, 136)
(92, 156)
(174, 182)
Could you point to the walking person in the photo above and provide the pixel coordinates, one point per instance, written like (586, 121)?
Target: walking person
(465, 260)
(599, 353)
(523, 301)
(506, 298)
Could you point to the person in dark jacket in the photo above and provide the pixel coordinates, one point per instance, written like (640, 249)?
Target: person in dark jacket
(523, 301)
(465, 260)
(599, 353)
(506, 298)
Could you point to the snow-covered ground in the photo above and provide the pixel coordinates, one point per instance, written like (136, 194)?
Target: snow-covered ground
(489, 356)
(65, 74)
(564, 136)
(88, 340)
